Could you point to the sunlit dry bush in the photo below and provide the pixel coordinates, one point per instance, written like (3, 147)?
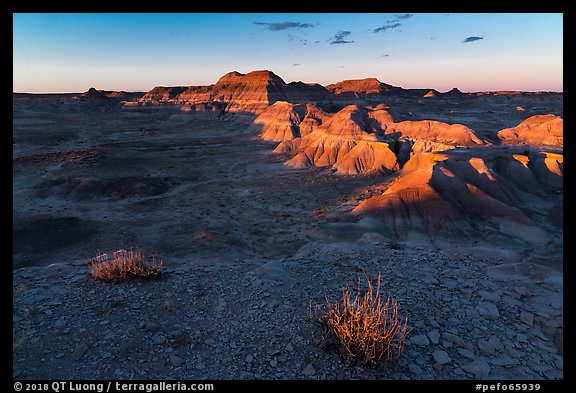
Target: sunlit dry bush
(362, 325)
(124, 264)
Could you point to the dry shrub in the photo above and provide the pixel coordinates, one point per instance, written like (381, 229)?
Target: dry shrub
(362, 326)
(124, 264)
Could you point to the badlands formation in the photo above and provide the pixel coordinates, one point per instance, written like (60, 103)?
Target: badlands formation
(450, 182)
(262, 195)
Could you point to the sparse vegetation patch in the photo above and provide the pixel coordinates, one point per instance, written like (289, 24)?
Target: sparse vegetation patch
(363, 326)
(124, 264)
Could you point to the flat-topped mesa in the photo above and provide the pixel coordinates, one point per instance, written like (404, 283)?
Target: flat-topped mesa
(539, 130)
(262, 77)
(370, 89)
(205, 94)
(251, 93)
(360, 87)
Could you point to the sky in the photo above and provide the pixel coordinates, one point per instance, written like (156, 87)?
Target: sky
(135, 52)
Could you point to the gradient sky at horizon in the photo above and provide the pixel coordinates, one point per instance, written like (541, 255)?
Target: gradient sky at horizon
(135, 52)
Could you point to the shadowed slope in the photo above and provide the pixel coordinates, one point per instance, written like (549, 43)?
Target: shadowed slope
(280, 121)
(412, 203)
(466, 192)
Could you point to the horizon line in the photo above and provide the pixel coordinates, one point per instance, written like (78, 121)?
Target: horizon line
(411, 88)
(299, 81)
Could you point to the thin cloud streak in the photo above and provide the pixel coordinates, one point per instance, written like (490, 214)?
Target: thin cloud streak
(394, 23)
(472, 39)
(284, 25)
(387, 27)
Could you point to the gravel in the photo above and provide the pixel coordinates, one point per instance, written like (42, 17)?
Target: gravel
(251, 319)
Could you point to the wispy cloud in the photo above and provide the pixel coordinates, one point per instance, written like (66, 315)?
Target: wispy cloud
(284, 25)
(339, 38)
(387, 27)
(472, 39)
(393, 23)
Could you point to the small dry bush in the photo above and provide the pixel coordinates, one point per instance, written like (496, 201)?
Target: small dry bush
(124, 264)
(362, 326)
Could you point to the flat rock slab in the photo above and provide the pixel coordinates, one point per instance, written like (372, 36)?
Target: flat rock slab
(441, 356)
(488, 310)
(525, 271)
(79, 351)
(479, 367)
(420, 340)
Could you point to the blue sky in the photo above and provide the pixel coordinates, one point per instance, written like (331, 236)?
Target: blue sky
(134, 52)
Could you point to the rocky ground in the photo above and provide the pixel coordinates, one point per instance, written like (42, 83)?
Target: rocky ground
(471, 317)
(91, 181)
(248, 246)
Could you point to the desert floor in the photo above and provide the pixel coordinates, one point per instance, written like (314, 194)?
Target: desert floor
(248, 243)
